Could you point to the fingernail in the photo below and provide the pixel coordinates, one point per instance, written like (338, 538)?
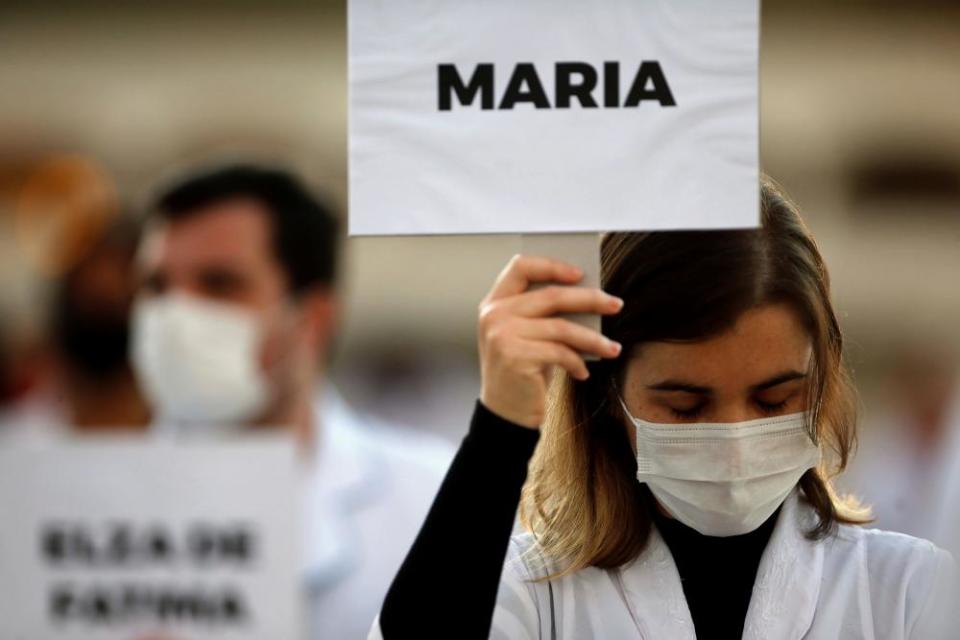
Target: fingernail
(618, 302)
(615, 346)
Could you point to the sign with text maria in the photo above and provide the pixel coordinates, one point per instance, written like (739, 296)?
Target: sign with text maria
(129, 540)
(543, 116)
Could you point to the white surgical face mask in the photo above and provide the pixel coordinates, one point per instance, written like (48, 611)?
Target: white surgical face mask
(723, 478)
(197, 361)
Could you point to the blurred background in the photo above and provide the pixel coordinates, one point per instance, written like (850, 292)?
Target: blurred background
(100, 100)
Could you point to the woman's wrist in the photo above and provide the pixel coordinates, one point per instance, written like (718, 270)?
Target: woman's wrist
(487, 425)
(506, 412)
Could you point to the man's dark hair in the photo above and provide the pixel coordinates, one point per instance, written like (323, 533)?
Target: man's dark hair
(304, 229)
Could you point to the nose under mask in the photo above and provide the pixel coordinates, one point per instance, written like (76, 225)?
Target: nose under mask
(724, 478)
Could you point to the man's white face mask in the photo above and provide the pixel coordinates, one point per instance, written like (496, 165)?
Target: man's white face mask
(723, 478)
(198, 361)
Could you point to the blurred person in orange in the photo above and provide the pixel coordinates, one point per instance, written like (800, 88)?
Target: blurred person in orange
(233, 329)
(88, 384)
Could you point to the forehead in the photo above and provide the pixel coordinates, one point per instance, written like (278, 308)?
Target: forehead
(234, 232)
(763, 342)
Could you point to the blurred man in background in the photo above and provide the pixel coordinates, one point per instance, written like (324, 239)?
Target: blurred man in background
(232, 330)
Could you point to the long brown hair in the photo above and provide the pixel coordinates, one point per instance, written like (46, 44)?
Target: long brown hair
(582, 499)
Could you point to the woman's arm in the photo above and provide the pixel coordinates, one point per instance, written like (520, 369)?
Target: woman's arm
(447, 586)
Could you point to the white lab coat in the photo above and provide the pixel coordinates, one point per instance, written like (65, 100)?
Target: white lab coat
(860, 584)
(946, 530)
(907, 488)
(368, 490)
(911, 491)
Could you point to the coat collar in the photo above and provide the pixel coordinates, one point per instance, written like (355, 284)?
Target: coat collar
(653, 593)
(787, 587)
(343, 477)
(785, 591)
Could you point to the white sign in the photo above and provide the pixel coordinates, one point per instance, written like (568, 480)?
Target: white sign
(541, 116)
(131, 539)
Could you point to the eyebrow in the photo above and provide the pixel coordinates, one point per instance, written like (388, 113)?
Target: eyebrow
(680, 385)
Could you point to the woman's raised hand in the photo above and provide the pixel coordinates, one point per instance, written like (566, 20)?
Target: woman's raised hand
(521, 341)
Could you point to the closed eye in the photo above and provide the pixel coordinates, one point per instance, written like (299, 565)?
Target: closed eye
(686, 414)
(771, 407)
(693, 412)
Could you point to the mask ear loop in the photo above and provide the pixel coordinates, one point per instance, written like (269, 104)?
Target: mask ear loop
(618, 393)
(623, 403)
(626, 411)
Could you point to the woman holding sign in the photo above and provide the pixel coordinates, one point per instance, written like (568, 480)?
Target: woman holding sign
(679, 486)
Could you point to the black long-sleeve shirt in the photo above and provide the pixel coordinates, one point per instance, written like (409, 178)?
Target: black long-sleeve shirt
(447, 585)
(717, 574)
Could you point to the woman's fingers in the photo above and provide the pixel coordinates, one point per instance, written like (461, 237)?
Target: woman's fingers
(520, 341)
(555, 300)
(571, 334)
(547, 354)
(521, 271)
